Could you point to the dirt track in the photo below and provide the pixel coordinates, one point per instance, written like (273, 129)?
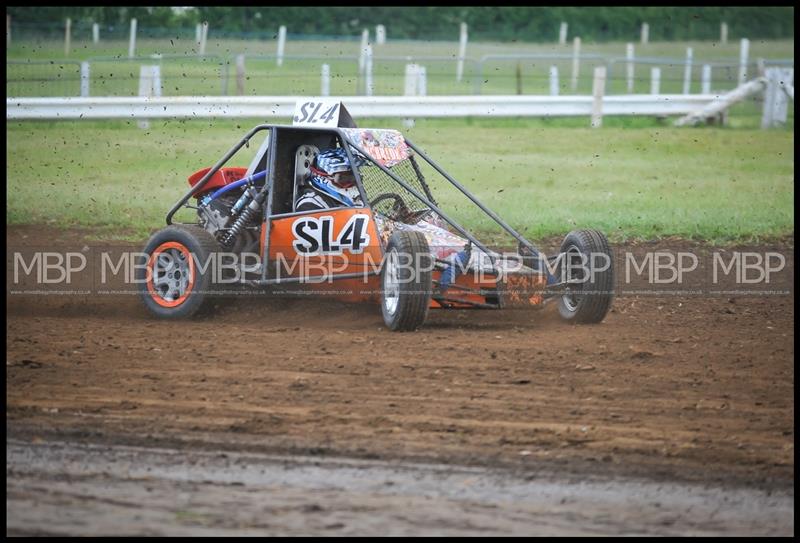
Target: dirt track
(670, 388)
(100, 489)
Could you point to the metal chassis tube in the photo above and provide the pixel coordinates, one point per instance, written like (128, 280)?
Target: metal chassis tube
(401, 182)
(426, 201)
(516, 235)
(214, 169)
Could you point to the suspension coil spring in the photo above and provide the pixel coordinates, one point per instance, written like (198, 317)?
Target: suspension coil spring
(230, 237)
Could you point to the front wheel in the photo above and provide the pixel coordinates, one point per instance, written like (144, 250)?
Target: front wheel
(176, 275)
(588, 264)
(406, 281)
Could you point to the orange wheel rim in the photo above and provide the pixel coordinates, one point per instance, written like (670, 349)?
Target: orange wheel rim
(170, 274)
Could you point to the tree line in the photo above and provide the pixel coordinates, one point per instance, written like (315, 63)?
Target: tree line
(520, 23)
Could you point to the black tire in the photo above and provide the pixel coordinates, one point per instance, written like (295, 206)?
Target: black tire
(404, 303)
(166, 301)
(590, 301)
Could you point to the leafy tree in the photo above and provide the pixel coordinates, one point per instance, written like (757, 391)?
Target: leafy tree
(523, 23)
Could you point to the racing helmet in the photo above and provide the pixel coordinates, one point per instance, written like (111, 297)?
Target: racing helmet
(326, 176)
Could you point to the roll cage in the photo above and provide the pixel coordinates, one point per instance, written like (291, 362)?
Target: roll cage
(267, 158)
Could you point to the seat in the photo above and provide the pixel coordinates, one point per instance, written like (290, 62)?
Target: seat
(304, 157)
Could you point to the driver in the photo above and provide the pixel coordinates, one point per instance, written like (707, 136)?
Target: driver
(331, 184)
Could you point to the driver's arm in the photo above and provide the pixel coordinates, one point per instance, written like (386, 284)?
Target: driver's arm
(310, 201)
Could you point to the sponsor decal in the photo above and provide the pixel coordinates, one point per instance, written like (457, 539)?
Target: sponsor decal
(387, 147)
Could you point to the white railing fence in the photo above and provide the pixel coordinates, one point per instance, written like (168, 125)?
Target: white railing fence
(267, 107)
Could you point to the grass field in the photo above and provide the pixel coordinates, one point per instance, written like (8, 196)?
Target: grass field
(632, 178)
(83, 49)
(113, 74)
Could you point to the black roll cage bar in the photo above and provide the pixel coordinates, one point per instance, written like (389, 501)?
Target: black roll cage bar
(343, 137)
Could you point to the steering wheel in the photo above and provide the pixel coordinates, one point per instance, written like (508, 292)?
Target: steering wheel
(399, 208)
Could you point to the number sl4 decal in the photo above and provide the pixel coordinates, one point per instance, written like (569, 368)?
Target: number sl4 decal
(307, 113)
(315, 235)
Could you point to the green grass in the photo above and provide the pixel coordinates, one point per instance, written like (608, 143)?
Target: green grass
(189, 75)
(184, 45)
(633, 178)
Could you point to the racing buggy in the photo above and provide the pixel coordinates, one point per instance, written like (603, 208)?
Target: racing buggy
(391, 243)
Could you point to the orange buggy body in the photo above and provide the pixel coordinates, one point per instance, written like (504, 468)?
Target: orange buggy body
(393, 244)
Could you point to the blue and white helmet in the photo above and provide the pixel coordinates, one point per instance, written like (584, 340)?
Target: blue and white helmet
(333, 161)
(330, 162)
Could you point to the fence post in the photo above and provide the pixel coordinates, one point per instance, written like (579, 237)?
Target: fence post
(576, 52)
(562, 34)
(368, 85)
(775, 100)
(760, 67)
(645, 33)
(132, 43)
(325, 81)
(281, 44)
(706, 79)
(519, 77)
(411, 88)
(767, 113)
(95, 33)
(156, 78)
(598, 89)
(225, 75)
(240, 75)
(744, 51)
(723, 33)
(67, 36)
(629, 55)
(655, 80)
(146, 80)
(84, 79)
(553, 80)
(687, 71)
(8, 30)
(380, 34)
(788, 84)
(422, 81)
(198, 34)
(462, 51)
(149, 85)
(363, 51)
(203, 39)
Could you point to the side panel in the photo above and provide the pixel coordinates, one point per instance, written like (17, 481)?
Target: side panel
(523, 289)
(329, 242)
(515, 291)
(467, 281)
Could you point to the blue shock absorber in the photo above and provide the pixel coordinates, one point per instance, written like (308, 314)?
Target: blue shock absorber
(242, 201)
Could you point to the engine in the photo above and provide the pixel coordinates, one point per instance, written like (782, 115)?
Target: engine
(232, 217)
(229, 206)
(216, 214)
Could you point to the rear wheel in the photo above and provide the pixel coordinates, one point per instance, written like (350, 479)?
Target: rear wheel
(176, 276)
(406, 281)
(589, 263)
